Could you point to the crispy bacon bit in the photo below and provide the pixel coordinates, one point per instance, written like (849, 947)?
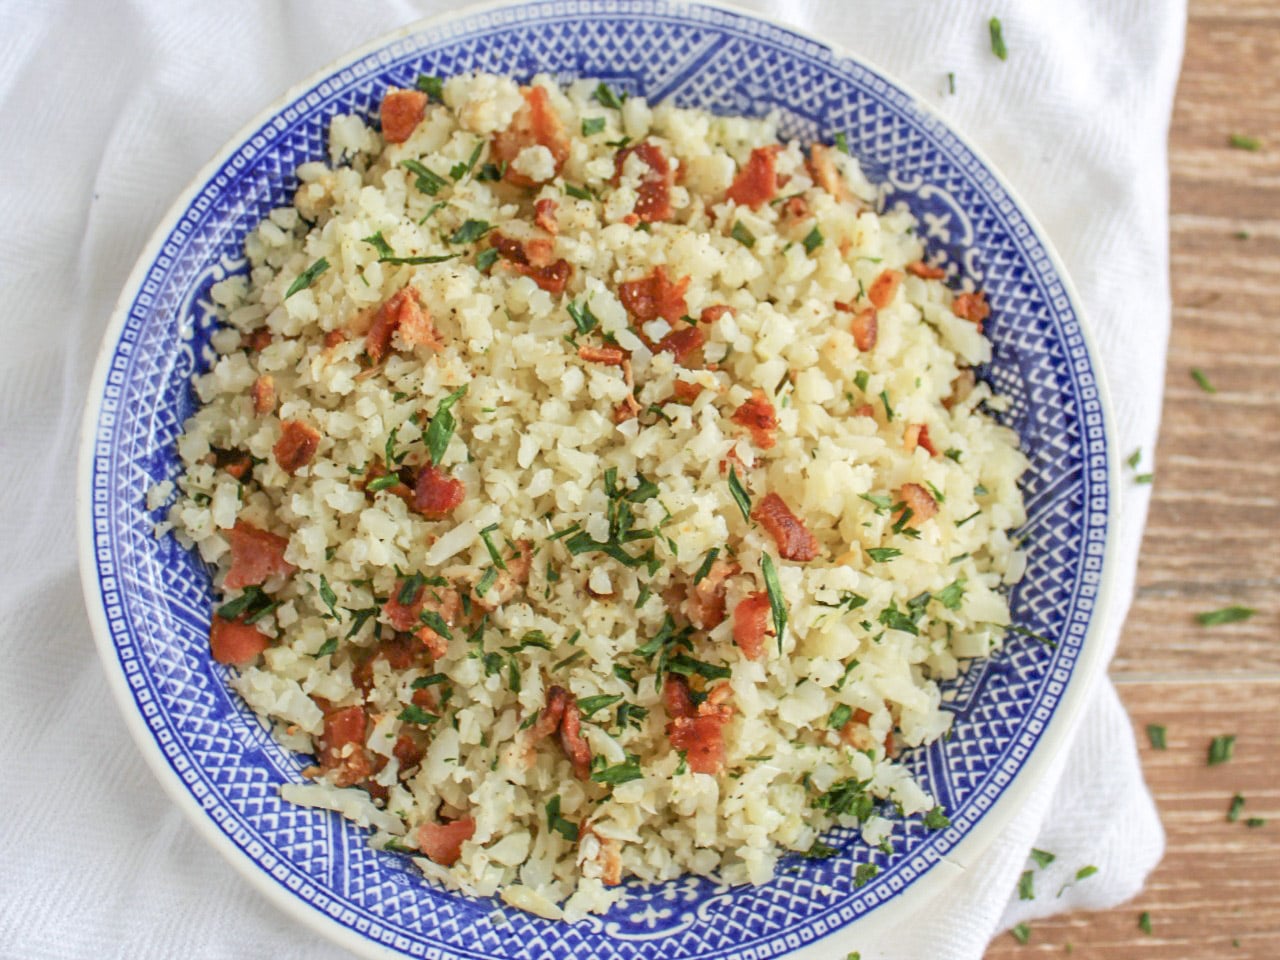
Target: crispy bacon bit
(608, 858)
(865, 326)
(865, 410)
(750, 624)
(795, 207)
(402, 111)
(296, 446)
(342, 750)
(705, 603)
(333, 338)
(553, 278)
(437, 494)
(402, 312)
(544, 215)
(442, 842)
(655, 296)
(571, 741)
(699, 732)
(917, 435)
(532, 258)
(447, 603)
(683, 342)
(407, 750)
(403, 616)
(255, 556)
(855, 732)
(263, 393)
(653, 196)
(822, 168)
(235, 643)
(731, 460)
(757, 182)
(548, 721)
(676, 698)
(919, 501)
(714, 313)
(401, 489)
(883, 288)
(236, 462)
(794, 541)
(536, 123)
(759, 417)
(972, 307)
(609, 356)
(400, 652)
(685, 392)
(257, 341)
(925, 271)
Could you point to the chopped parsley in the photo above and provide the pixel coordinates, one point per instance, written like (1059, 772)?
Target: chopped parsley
(998, 48)
(848, 798)
(432, 619)
(888, 410)
(740, 496)
(883, 554)
(442, 426)
(777, 604)
(428, 181)
(592, 125)
(1144, 922)
(1021, 932)
(382, 483)
(486, 258)
(415, 714)
(253, 599)
(570, 660)
(936, 819)
(620, 772)
(1084, 873)
(880, 501)
(431, 86)
(865, 873)
(590, 705)
(470, 231)
(1240, 141)
(1202, 381)
(1255, 822)
(581, 316)
(486, 581)
(1156, 735)
(1027, 886)
(387, 255)
(812, 240)
(1221, 749)
(705, 567)
(1042, 857)
(742, 234)
(1144, 478)
(951, 453)
(841, 715)
(607, 98)
(558, 823)
(1237, 804)
(951, 83)
(895, 619)
(460, 170)
(952, 596)
(1134, 459)
(326, 648)
(860, 379)
(578, 193)
(1232, 614)
(842, 143)
(307, 277)
(494, 554)
(328, 596)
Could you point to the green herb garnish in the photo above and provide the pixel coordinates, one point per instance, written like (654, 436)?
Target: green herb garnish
(1242, 142)
(1237, 804)
(777, 604)
(431, 86)
(742, 234)
(592, 125)
(1155, 734)
(470, 231)
(428, 181)
(1221, 749)
(440, 431)
(328, 596)
(558, 823)
(608, 98)
(1232, 614)
(415, 714)
(999, 49)
(387, 255)
(1027, 886)
(812, 240)
(307, 277)
(883, 554)
(1198, 376)
(620, 772)
(1042, 857)
(589, 705)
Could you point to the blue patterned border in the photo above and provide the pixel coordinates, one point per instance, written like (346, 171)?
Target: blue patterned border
(155, 598)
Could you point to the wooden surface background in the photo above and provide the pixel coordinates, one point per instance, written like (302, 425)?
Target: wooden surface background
(1213, 537)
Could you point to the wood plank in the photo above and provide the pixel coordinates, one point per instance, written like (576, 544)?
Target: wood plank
(1219, 881)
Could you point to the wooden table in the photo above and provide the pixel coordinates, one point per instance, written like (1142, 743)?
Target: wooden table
(1212, 537)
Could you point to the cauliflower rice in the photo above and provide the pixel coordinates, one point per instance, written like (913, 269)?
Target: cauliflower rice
(535, 421)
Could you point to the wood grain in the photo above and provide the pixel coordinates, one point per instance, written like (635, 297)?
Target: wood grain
(1213, 537)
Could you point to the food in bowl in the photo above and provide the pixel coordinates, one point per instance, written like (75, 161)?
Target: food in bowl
(596, 490)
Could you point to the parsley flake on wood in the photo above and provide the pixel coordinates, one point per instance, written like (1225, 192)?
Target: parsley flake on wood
(1202, 381)
(996, 29)
(1221, 749)
(1156, 736)
(1232, 614)
(1255, 822)
(1021, 932)
(1240, 141)
(1144, 922)
(1237, 804)
(307, 277)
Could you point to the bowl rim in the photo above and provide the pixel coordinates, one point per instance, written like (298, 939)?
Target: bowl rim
(880, 920)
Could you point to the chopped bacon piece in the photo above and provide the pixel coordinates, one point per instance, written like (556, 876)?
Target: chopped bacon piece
(676, 698)
(865, 410)
(822, 168)
(685, 392)
(552, 278)
(757, 182)
(972, 307)
(407, 750)
(535, 123)
(342, 750)
(442, 842)
(653, 196)
(548, 721)
(377, 471)
(235, 462)
(571, 741)
(404, 616)
(702, 740)
(758, 416)
(447, 603)
(401, 651)
(402, 111)
(259, 340)
(655, 296)
(795, 207)
(713, 313)
(683, 342)
(750, 624)
(402, 312)
(919, 501)
(865, 326)
(855, 732)
(544, 215)
(532, 258)
(296, 446)
(235, 643)
(883, 288)
(608, 858)
(437, 494)
(794, 541)
(609, 356)
(918, 268)
(509, 248)
(731, 460)
(255, 556)
(263, 393)
(917, 435)
(705, 603)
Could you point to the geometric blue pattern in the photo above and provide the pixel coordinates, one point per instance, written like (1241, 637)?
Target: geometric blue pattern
(154, 599)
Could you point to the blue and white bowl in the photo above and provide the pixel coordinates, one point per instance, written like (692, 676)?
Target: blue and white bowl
(149, 600)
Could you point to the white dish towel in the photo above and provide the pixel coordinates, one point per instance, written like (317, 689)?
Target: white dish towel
(107, 111)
